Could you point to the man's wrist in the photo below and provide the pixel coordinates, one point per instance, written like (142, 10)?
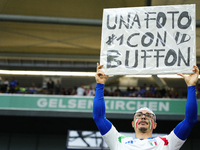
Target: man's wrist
(100, 83)
(191, 85)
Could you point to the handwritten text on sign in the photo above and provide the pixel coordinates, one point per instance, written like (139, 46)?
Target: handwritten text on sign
(148, 40)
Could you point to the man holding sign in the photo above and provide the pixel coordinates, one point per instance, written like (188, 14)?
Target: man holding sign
(144, 120)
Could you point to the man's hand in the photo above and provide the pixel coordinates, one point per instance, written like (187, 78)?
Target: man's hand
(100, 76)
(192, 78)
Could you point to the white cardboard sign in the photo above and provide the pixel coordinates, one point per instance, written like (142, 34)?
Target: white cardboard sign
(148, 40)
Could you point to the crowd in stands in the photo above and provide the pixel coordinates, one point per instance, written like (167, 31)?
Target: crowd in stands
(49, 87)
(147, 92)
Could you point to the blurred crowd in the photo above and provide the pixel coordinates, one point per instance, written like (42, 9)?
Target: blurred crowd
(146, 92)
(48, 87)
(56, 88)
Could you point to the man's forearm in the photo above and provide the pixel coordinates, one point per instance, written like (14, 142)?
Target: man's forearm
(99, 110)
(183, 129)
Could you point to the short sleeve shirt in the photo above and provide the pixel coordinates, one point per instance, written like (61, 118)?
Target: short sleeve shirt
(117, 141)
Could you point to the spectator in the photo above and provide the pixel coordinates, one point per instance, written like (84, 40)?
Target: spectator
(50, 86)
(90, 91)
(32, 89)
(17, 88)
(134, 92)
(74, 91)
(163, 91)
(142, 92)
(58, 87)
(63, 91)
(128, 91)
(106, 92)
(13, 84)
(111, 93)
(174, 94)
(81, 90)
(158, 94)
(69, 91)
(117, 92)
(44, 85)
(4, 85)
(152, 89)
(144, 120)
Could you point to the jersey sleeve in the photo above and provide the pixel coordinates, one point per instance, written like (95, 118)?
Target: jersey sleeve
(113, 138)
(183, 129)
(103, 124)
(172, 141)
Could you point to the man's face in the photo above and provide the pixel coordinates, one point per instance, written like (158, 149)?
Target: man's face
(143, 122)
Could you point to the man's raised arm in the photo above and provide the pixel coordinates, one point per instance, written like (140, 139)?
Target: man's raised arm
(99, 105)
(183, 129)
